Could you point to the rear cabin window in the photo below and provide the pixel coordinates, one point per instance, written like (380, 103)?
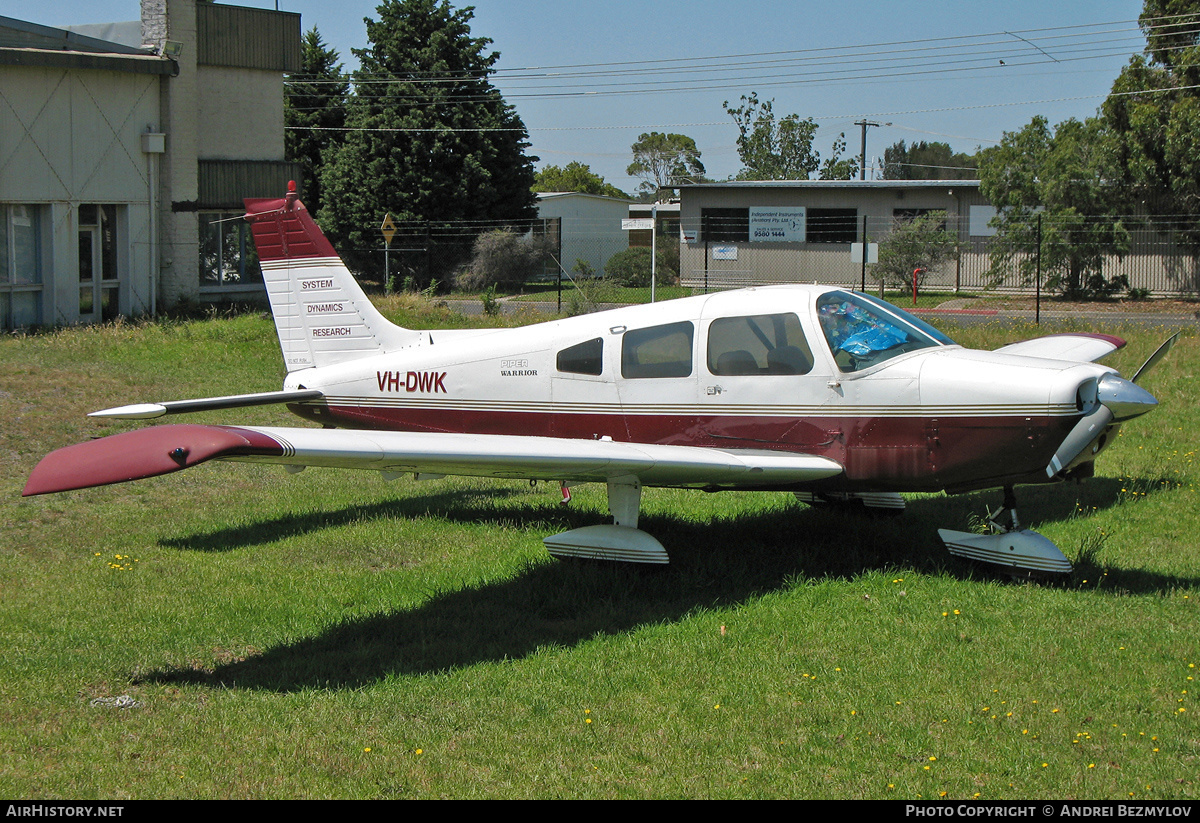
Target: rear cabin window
(758, 344)
(659, 351)
(583, 358)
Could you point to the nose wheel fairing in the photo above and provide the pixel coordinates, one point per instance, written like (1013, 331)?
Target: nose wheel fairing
(1008, 545)
(1023, 550)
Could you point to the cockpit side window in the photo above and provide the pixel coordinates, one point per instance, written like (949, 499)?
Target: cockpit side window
(582, 358)
(758, 344)
(659, 351)
(862, 333)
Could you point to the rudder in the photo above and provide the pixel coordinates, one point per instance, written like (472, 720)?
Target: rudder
(322, 315)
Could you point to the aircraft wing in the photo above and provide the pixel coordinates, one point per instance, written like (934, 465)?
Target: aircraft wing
(1077, 347)
(163, 449)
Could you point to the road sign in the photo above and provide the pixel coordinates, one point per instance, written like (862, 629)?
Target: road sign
(388, 228)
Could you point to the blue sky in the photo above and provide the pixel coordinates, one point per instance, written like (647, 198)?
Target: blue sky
(932, 70)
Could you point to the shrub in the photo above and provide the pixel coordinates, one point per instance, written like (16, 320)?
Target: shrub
(921, 242)
(632, 266)
(503, 258)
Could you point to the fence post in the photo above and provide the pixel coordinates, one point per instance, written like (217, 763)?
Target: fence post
(706, 265)
(428, 256)
(1037, 300)
(865, 247)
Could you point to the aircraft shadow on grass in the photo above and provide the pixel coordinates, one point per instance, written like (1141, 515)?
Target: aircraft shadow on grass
(727, 561)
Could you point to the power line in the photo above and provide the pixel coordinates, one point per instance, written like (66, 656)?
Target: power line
(726, 123)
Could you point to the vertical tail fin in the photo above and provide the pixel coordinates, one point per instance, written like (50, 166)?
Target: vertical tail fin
(321, 314)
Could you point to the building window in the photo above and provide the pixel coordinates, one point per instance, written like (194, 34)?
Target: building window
(911, 214)
(227, 255)
(659, 351)
(99, 264)
(758, 344)
(725, 225)
(20, 265)
(832, 226)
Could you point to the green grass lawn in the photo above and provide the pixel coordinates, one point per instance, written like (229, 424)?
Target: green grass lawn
(330, 634)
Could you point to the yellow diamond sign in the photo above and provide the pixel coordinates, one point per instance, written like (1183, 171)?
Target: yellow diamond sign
(388, 228)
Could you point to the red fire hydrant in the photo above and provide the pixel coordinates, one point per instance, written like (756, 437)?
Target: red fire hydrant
(917, 271)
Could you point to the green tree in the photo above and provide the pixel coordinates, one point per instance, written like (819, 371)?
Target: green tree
(575, 176)
(917, 243)
(773, 149)
(429, 137)
(1153, 113)
(314, 112)
(664, 160)
(837, 167)
(1062, 175)
(927, 161)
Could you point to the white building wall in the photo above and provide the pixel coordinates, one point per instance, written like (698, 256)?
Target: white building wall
(591, 227)
(71, 137)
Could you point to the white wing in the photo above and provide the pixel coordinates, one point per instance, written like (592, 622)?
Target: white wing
(163, 449)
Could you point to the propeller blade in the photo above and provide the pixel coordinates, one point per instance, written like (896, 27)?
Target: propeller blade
(1119, 400)
(1152, 361)
(1086, 430)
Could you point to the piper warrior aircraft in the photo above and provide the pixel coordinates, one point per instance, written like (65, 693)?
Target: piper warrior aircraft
(823, 392)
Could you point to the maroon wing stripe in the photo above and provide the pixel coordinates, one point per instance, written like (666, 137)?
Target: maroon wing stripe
(142, 453)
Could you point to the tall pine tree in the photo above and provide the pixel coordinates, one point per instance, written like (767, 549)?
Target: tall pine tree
(429, 138)
(314, 112)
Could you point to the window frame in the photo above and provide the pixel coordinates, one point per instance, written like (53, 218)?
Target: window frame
(598, 343)
(10, 249)
(828, 225)
(777, 323)
(725, 225)
(246, 274)
(633, 340)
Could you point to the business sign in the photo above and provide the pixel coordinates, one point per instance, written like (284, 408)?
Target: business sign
(637, 224)
(724, 252)
(781, 224)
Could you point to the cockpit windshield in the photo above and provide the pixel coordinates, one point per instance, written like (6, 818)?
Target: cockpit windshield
(863, 331)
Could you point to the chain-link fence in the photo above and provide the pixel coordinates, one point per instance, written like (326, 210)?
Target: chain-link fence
(424, 254)
(1156, 265)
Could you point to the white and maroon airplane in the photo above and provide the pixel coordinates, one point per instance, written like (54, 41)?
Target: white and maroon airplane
(827, 393)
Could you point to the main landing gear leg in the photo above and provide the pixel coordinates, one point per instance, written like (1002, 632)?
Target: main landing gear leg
(622, 541)
(1008, 546)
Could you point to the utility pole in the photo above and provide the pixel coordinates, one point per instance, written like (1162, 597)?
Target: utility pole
(862, 169)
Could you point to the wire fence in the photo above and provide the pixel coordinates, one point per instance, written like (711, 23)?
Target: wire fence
(1158, 259)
